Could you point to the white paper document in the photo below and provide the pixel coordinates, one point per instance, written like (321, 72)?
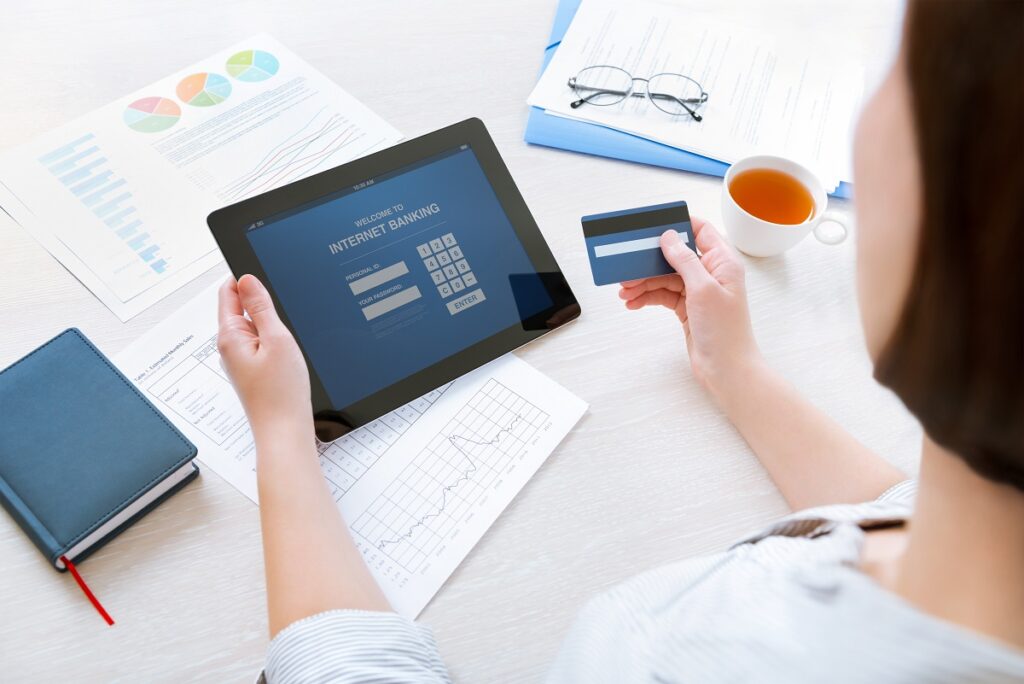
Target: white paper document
(120, 196)
(418, 487)
(765, 94)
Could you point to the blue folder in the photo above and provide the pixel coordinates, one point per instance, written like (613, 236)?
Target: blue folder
(579, 136)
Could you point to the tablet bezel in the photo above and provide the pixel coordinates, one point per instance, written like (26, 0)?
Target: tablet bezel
(230, 225)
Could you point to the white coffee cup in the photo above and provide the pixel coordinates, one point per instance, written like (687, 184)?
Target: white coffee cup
(758, 237)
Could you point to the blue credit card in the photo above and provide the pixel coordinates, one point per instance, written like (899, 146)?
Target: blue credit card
(623, 245)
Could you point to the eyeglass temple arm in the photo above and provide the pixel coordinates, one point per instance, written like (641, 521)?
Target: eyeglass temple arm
(681, 100)
(576, 86)
(683, 103)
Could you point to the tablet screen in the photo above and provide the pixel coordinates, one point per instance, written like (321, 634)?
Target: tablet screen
(393, 274)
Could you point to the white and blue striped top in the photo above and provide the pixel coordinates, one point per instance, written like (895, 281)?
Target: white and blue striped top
(785, 605)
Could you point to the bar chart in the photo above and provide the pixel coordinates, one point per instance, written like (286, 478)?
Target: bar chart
(81, 167)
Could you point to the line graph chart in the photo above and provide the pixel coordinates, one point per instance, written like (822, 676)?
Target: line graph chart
(298, 155)
(413, 517)
(345, 460)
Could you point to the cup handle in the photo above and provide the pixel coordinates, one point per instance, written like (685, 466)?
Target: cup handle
(831, 217)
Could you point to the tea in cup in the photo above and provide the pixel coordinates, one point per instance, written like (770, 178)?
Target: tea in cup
(769, 204)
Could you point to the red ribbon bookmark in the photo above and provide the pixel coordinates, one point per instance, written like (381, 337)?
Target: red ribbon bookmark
(88, 593)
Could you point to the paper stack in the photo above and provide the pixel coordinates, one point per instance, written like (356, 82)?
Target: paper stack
(765, 97)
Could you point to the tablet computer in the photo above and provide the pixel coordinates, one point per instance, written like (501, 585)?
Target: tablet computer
(399, 271)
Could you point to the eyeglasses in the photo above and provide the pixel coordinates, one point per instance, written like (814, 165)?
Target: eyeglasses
(605, 85)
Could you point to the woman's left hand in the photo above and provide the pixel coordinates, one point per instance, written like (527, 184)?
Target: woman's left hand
(262, 358)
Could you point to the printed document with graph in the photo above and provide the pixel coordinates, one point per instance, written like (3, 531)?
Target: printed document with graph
(120, 196)
(418, 487)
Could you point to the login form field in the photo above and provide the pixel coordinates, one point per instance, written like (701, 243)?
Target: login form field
(396, 273)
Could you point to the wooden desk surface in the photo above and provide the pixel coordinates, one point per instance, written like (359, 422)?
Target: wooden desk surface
(653, 474)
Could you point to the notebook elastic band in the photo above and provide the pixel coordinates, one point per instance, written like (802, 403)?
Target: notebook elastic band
(85, 589)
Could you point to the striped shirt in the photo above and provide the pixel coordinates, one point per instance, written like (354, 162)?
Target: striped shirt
(785, 605)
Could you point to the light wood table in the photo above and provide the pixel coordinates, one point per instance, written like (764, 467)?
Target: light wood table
(653, 474)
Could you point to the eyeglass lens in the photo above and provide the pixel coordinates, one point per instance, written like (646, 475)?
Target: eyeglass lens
(603, 85)
(675, 93)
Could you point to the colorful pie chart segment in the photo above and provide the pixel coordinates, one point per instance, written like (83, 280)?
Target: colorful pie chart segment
(203, 90)
(152, 114)
(252, 65)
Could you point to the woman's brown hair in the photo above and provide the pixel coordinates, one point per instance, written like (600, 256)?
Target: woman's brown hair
(956, 357)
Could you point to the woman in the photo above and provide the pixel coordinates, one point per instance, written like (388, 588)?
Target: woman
(890, 590)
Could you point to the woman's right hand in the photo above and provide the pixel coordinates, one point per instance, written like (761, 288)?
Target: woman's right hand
(709, 296)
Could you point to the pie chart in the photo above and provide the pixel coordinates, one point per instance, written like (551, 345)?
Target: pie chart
(252, 65)
(203, 89)
(152, 114)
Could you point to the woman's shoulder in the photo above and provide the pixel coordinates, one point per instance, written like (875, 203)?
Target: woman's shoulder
(798, 539)
(894, 505)
(785, 604)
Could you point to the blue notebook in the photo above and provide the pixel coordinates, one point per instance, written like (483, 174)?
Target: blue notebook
(82, 453)
(580, 136)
